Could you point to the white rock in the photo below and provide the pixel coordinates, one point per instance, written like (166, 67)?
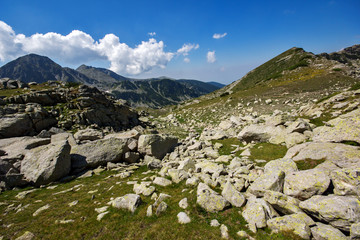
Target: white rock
(183, 218)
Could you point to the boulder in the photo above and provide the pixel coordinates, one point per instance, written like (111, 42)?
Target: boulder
(355, 231)
(131, 157)
(96, 153)
(346, 181)
(88, 134)
(305, 184)
(15, 125)
(285, 165)
(186, 165)
(257, 133)
(294, 138)
(144, 189)
(342, 155)
(343, 128)
(339, 211)
(300, 126)
(297, 224)
(183, 218)
(256, 212)
(326, 232)
(208, 167)
(230, 193)
(156, 145)
(178, 175)
(46, 164)
(210, 200)
(128, 202)
(124, 135)
(162, 181)
(282, 203)
(268, 181)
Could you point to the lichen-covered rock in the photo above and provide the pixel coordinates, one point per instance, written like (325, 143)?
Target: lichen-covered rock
(46, 164)
(162, 181)
(178, 175)
(129, 202)
(230, 193)
(156, 145)
(208, 167)
(343, 128)
(338, 211)
(96, 153)
(282, 164)
(346, 181)
(273, 181)
(256, 212)
(326, 232)
(294, 138)
(283, 203)
(297, 224)
(144, 189)
(210, 200)
(355, 231)
(305, 184)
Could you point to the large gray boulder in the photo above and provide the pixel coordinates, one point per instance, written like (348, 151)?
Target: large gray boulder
(285, 165)
(15, 125)
(343, 128)
(327, 232)
(346, 181)
(273, 181)
(342, 155)
(256, 212)
(260, 133)
(338, 211)
(210, 200)
(297, 224)
(46, 164)
(156, 145)
(96, 153)
(88, 134)
(236, 198)
(282, 203)
(305, 184)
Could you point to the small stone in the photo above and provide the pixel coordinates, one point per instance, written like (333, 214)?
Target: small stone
(162, 181)
(224, 231)
(214, 223)
(183, 203)
(242, 234)
(102, 209)
(149, 211)
(64, 221)
(101, 215)
(183, 218)
(26, 236)
(161, 208)
(37, 212)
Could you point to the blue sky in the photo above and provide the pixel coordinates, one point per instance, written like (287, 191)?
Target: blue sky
(174, 38)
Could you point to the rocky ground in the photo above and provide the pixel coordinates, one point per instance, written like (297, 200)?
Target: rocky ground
(293, 173)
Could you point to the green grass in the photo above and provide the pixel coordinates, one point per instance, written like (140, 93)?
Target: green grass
(228, 147)
(308, 163)
(356, 86)
(267, 151)
(118, 224)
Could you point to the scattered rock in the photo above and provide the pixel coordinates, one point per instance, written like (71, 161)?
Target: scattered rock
(161, 208)
(183, 203)
(26, 236)
(43, 208)
(162, 181)
(129, 202)
(224, 231)
(183, 218)
(230, 193)
(156, 145)
(209, 200)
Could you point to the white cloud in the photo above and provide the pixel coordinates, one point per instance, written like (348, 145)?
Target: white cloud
(186, 48)
(219, 35)
(78, 47)
(151, 34)
(187, 60)
(211, 58)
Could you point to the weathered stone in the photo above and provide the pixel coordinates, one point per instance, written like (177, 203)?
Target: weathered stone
(192, 181)
(214, 223)
(26, 236)
(294, 138)
(208, 167)
(338, 211)
(273, 181)
(144, 189)
(297, 224)
(261, 133)
(346, 181)
(96, 153)
(156, 145)
(183, 218)
(129, 202)
(355, 231)
(256, 212)
(161, 208)
(186, 165)
(326, 232)
(162, 181)
(209, 200)
(124, 135)
(149, 211)
(211, 153)
(236, 198)
(88, 134)
(283, 203)
(131, 157)
(300, 126)
(305, 184)
(224, 231)
(342, 155)
(46, 164)
(183, 203)
(178, 175)
(343, 128)
(43, 208)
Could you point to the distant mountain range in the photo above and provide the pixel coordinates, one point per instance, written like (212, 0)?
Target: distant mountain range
(154, 92)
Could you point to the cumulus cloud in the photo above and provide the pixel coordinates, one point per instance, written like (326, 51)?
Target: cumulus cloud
(187, 60)
(186, 48)
(211, 58)
(79, 47)
(151, 34)
(219, 35)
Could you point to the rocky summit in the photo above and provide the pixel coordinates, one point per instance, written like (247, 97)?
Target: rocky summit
(274, 155)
